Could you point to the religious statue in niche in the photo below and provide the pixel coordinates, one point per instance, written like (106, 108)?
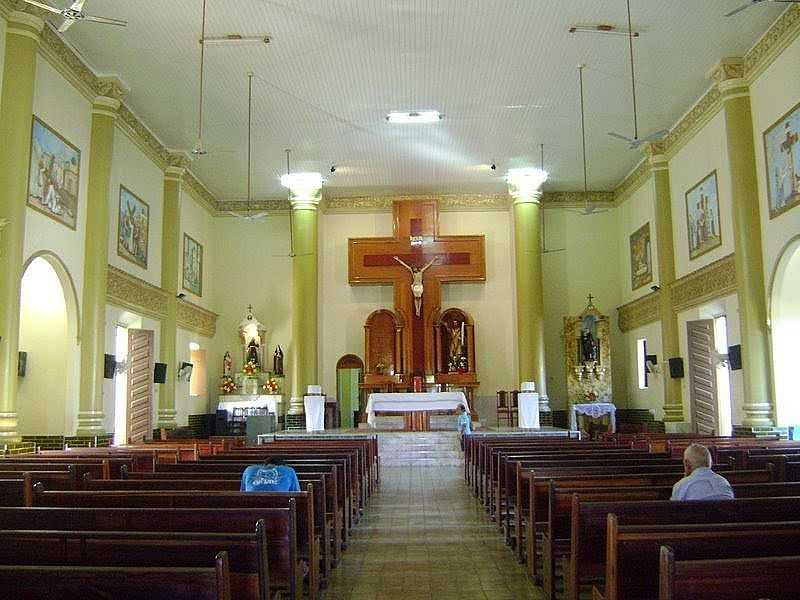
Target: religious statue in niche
(588, 343)
(277, 362)
(416, 280)
(457, 361)
(227, 364)
(588, 356)
(252, 353)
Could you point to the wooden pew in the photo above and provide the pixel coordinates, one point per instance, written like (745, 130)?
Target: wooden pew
(588, 539)
(99, 469)
(732, 579)
(311, 529)
(247, 552)
(632, 555)
(101, 583)
(285, 569)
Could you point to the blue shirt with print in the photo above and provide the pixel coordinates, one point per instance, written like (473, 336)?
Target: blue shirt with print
(464, 423)
(269, 478)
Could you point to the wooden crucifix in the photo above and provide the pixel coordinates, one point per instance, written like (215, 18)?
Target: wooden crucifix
(416, 260)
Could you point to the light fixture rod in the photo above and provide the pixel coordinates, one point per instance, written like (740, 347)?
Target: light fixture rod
(202, 69)
(583, 128)
(249, 139)
(633, 73)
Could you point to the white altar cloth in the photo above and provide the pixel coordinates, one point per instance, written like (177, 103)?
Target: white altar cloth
(411, 402)
(315, 412)
(230, 401)
(594, 410)
(528, 410)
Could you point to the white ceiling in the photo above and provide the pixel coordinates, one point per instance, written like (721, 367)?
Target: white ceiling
(336, 67)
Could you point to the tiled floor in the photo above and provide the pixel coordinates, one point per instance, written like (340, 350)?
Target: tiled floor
(424, 536)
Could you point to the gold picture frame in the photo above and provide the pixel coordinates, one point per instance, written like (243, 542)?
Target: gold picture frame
(192, 275)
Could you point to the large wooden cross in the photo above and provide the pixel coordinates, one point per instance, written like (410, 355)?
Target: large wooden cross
(416, 242)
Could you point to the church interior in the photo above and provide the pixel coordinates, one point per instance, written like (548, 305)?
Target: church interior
(476, 271)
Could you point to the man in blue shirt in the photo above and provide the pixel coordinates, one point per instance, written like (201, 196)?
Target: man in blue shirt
(700, 483)
(464, 424)
(269, 477)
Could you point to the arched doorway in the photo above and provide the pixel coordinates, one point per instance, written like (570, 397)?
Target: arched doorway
(48, 335)
(349, 375)
(785, 320)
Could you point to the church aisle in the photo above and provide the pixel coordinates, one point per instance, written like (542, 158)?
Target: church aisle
(425, 537)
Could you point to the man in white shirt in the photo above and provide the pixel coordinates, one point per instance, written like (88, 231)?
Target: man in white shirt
(700, 483)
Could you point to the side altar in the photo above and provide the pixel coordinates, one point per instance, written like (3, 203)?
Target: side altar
(255, 389)
(417, 345)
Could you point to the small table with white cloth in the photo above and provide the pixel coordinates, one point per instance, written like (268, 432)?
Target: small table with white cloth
(416, 407)
(594, 410)
(528, 410)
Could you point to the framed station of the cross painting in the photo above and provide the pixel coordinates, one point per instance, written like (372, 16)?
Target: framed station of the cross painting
(133, 229)
(641, 257)
(702, 216)
(192, 265)
(782, 158)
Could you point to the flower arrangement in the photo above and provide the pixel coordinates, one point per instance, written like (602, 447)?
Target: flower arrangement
(270, 386)
(250, 368)
(591, 397)
(228, 385)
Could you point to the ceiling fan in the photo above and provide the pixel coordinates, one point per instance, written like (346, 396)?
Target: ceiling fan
(588, 208)
(754, 2)
(636, 141)
(75, 13)
(249, 215)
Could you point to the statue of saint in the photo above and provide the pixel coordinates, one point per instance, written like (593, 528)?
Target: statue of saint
(252, 353)
(416, 280)
(588, 346)
(227, 364)
(455, 332)
(277, 362)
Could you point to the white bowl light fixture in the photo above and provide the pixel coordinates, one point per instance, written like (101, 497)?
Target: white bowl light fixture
(417, 116)
(525, 184)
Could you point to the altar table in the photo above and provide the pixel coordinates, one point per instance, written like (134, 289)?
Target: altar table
(230, 401)
(414, 403)
(594, 410)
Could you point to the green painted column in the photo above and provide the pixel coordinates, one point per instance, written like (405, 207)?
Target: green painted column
(101, 149)
(170, 273)
(670, 346)
(758, 402)
(16, 106)
(305, 194)
(530, 297)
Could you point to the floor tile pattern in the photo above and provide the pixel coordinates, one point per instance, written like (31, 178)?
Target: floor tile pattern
(425, 537)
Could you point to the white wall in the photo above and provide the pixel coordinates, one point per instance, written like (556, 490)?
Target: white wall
(343, 308)
(651, 398)
(705, 152)
(200, 225)
(772, 95)
(2, 48)
(250, 266)
(131, 168)
(186, 404)
(43, 393)
(582, 259)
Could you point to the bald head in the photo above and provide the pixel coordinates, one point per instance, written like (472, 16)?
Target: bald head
(696, 456)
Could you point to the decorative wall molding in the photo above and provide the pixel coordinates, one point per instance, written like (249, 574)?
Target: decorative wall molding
(782, 33)
(639, 312)
(197, 319)
(200, 193)
(577, 199)
(447, 202)
(712, 281)
(632, 182)
(240, 206)
(130, 292)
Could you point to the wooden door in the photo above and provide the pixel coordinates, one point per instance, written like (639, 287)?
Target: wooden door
(140, 385)
(703, 376)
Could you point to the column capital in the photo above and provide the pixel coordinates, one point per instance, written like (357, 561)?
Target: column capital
(728, 74)
(106, 106)
(111, 87)
(305, 190)
(25, 24)
(656, 153)
(177, 165)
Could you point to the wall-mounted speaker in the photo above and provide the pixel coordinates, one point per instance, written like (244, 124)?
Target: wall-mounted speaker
(735, 357)
(676, 368)
(160, 373)
(22, 364)
(109, 366)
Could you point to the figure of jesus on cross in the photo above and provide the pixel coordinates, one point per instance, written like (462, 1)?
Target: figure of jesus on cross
(417, 273)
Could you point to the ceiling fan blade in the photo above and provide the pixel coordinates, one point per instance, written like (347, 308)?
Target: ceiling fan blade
(619, 136)
(66, 25)
(740, 9)
(78, 5)
(105, 20)
(44, 6)
(655, 136)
